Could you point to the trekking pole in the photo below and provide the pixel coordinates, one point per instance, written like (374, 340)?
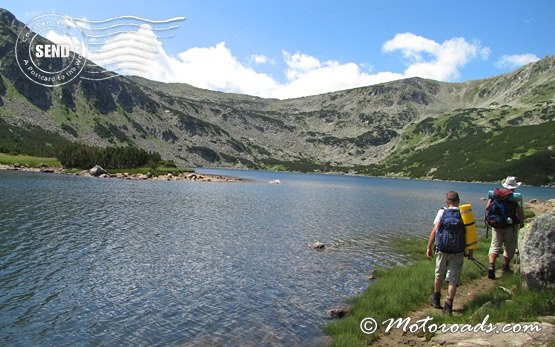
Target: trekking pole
(516, 256)
(516, 265)
(479, 265)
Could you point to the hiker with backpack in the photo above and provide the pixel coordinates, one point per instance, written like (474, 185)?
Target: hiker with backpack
(505, 214)
(449, 240)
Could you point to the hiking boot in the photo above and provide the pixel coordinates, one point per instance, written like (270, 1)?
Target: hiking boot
(506, 268)
(434, 300)
(491, 272)
(448, 308)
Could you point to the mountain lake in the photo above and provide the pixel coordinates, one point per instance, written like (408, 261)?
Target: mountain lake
(113, 262)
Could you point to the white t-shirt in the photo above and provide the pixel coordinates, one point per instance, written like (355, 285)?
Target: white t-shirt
(440, 214)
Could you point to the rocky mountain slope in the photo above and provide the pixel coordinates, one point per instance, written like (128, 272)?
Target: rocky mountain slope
(388, 128)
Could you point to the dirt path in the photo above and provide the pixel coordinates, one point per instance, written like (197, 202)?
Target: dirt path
(465, 293)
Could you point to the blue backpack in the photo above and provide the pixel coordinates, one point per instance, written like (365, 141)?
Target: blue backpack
(502, 212)
(450, 236)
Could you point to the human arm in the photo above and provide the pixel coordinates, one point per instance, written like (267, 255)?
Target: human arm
(431, 240)
(488, 207)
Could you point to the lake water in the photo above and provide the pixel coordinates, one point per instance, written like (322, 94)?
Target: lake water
(113, 262)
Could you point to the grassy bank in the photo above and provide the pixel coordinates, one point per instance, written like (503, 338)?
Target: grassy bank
(157, 171)
(35, 162)
(28, 160)
(400, 290)
(511, 303)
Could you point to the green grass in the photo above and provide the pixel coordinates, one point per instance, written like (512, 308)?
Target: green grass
(529, 214)
(28, 160)
(396, 292)
(279, 167)
(32, 140)
(32, 161)
(35, 162)
(400, 290)
(484, 157)
(520, 305)
(391, 296)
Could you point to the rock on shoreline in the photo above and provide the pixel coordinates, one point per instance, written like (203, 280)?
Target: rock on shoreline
(540, 207)
(98, 172)
(42, 168)
(537, 249)
(482, 338)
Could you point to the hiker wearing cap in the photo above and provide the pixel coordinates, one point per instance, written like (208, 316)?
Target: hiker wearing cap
(505, 214)
(449, 240)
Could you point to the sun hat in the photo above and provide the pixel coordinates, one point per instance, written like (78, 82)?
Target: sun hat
(511, 183)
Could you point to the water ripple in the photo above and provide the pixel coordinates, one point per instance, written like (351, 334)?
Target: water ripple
(113, 262)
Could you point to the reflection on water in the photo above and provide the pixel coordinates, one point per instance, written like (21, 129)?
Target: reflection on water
(113, 262)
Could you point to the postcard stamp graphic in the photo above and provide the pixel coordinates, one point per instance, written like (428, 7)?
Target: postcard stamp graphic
(47, 63)
(52, 49)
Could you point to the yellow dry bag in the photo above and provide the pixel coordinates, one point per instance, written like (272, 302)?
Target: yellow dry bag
(469, 226)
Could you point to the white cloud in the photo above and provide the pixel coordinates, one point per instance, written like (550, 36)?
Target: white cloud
(411, 46)
(298, 64)
(131, 52)
(306, 75)
(485, 52)
(515, 61)
(216, 68)
(74, 44)
(429, 59)
(260, 59)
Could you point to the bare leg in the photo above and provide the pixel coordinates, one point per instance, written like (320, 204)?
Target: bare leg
(491, 268)
(437, 286)
(492, 258)
(448, 306)
(451, 291)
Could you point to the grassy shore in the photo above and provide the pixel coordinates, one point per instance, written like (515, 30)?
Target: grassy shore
(27, 160)
(35, 162)
(400, 290)
(158, 171)
(161, 170)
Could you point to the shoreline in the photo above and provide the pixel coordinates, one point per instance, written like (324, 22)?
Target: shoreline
(184, 176)
(37, 164)
(406, 279)
(351, 174)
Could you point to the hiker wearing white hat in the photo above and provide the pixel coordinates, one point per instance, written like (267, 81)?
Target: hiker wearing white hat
(511, 183)
(504, 213)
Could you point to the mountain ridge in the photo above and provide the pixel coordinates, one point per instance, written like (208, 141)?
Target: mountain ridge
(367, 129)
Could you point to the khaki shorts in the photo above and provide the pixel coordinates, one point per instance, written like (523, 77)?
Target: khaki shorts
(505, 237)
(449, 266)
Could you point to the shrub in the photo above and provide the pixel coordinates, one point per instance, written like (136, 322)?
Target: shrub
(82, 156)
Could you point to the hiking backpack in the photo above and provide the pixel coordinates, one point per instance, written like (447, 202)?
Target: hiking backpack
(450, 236)
(502, 211)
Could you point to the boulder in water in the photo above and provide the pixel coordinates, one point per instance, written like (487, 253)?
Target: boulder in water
(317, 245)
(339, 312)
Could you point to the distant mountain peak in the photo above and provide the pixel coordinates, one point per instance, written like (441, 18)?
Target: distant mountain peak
(378, 129)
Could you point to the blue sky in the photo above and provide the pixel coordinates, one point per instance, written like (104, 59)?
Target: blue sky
(294, 48)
